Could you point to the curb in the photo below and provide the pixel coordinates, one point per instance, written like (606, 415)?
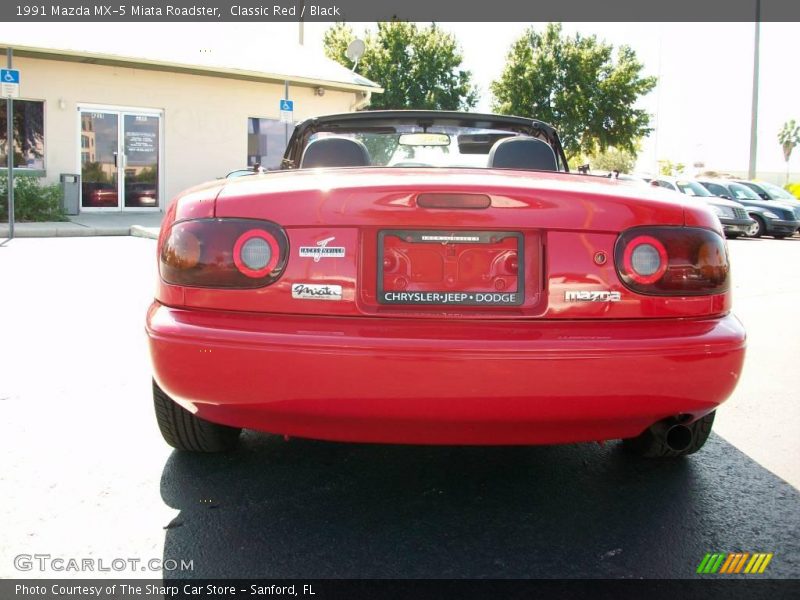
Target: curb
(56, 231)
(144, 232)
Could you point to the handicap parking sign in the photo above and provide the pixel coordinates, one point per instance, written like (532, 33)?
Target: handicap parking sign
(287, 111)
(9, 83)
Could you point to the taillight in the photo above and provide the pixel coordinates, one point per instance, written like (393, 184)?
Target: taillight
(673, 261)
(224, 253)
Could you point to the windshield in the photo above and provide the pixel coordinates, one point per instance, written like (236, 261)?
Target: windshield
(742, 191)
(451, 147)
(692, 188)
(775, 191)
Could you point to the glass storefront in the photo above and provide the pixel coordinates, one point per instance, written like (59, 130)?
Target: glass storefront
(120, 159)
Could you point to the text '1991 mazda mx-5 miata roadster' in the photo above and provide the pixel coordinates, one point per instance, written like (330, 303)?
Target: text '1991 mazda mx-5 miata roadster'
(425, 277)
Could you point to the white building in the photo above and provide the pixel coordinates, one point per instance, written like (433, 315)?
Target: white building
(142, 119)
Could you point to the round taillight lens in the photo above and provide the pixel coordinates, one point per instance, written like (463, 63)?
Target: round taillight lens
(256, 253)
(645, 259)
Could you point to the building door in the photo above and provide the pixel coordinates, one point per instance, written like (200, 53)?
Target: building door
(120, 157)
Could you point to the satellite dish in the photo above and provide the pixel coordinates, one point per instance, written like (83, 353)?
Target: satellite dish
(355, 50)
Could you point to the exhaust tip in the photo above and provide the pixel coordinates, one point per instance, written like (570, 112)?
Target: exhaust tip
(679, 438)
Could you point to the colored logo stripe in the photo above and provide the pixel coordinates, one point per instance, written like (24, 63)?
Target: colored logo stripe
(710, 563)
(758, 563)
(734, 562)
(740, 564)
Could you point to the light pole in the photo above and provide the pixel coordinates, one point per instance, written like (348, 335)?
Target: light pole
(751, 169)
(10, 149)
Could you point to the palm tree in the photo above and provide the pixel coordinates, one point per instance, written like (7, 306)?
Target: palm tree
(788, 138)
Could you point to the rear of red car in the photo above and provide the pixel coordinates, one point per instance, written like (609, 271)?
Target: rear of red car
(441, 306)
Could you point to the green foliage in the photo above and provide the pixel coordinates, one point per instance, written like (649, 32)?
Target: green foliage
(667, 167)
(577, 84)
(789, 137)
(613, 159)
(32, 201)
(793, 189)
(419, 68)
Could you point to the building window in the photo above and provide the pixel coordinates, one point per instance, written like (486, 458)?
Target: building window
(266, 142)
(28, 135)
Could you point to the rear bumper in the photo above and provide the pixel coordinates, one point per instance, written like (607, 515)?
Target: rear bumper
(442, 382)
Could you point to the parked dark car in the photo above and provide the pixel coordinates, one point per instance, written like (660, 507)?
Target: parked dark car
(733, 216)
(768, 191)
(772, 217)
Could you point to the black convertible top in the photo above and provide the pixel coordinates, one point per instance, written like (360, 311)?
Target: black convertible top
(376, 119)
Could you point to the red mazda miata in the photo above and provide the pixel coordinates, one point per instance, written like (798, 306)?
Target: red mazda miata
(431, 277)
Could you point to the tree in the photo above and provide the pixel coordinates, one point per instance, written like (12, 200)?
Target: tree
(667, 167)
(613, 159)
(788, 138)
(576, 84)
(419, 68)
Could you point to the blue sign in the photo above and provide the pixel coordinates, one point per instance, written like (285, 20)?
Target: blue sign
(287, 105)
(12, 76)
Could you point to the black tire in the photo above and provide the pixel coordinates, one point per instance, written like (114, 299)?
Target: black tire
(762, 227)
(184, 431)
(650, 445)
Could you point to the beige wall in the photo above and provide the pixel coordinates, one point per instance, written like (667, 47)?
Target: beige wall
(205, 118)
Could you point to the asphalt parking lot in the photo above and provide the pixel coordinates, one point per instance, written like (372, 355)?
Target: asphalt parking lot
(86, 474)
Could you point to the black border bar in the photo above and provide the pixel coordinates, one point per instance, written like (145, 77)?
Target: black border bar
(728, 587)
(407, 10)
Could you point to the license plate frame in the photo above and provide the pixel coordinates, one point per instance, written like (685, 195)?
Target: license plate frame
(443, 297)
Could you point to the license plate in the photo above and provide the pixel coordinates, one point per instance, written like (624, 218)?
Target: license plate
(465, 268)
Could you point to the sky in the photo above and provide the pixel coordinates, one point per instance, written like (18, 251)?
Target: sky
(700, 108)
(702, 105)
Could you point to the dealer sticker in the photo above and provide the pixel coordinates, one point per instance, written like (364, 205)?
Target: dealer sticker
(322, 250)
(313, 291)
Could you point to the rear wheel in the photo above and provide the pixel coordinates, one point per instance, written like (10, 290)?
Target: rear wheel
(184, 431)
(669, 439)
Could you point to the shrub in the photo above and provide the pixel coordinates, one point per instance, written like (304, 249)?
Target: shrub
(793, 189)
(32, 200)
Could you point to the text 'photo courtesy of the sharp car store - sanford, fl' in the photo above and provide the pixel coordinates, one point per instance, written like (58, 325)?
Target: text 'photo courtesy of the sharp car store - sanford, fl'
(434, 300)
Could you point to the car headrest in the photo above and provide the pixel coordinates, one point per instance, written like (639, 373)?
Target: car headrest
(522, 153)
(335, 152)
